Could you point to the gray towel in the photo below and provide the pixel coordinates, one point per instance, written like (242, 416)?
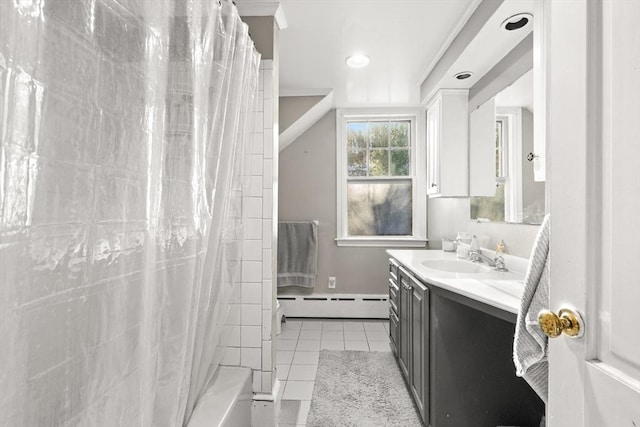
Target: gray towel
(530, 343)
(297, 253)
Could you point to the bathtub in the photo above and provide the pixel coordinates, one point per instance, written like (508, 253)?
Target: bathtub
(227, 402)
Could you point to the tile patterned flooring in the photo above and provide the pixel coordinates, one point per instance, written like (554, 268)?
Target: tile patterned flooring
(298, 349)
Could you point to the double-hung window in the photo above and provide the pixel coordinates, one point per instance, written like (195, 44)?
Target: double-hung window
(380, 177)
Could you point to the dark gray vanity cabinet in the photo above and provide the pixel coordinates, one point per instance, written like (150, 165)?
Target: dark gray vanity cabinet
(455, 354)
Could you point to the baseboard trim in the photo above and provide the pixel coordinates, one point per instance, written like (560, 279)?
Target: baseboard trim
(348, 306)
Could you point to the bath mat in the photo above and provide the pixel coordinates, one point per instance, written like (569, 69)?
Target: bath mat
(360, 388)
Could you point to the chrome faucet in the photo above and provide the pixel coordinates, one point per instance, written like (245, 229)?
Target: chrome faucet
(477, 256)
(498, 262)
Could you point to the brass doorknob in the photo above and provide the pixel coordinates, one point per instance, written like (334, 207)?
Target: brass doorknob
(567, 321)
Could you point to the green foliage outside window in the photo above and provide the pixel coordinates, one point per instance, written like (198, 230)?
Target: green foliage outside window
(378, 148)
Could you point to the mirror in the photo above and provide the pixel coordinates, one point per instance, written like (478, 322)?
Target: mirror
(503, 158)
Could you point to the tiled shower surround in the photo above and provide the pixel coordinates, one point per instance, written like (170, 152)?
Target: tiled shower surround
(251, 317)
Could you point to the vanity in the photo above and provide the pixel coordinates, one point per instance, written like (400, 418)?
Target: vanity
(451, 328)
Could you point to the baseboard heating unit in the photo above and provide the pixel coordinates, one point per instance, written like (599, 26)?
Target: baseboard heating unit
(337, 305)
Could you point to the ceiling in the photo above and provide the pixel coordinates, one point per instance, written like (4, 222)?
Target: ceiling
(403, 38)
(518, 94)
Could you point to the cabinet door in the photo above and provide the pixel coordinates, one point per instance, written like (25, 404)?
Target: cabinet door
(433, 147)
(448, 144)
(419, 367)
(394, 328)
(405, 322)
(482, 150)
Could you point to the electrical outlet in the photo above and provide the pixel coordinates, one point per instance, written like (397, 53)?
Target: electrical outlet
(332, 282)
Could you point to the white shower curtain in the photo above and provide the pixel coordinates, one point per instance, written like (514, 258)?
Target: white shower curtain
(123, 127)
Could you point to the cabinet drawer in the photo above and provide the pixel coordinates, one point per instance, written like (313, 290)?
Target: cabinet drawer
(393, 269)
(394, 290)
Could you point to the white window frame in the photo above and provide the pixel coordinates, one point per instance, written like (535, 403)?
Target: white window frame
(418, 176)
(512, 119)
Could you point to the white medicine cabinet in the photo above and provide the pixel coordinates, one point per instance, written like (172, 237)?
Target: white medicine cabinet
(448, 144)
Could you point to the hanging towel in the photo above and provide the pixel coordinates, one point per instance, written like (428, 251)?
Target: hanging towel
(530, 343)
(297, 253)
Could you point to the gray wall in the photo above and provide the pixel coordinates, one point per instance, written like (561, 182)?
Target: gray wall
(308, 192)
(294, 107)
(263, 32)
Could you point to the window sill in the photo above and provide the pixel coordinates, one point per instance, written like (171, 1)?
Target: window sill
(392, 242)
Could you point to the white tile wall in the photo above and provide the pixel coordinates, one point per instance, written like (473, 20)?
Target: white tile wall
(252, 293)
(251, 315)
(252, 228)
(251, 320)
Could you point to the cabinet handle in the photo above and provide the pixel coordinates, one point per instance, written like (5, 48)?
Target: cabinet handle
(433, 184)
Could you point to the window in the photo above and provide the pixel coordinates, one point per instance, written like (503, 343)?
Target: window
(507, 202)
(381, 201)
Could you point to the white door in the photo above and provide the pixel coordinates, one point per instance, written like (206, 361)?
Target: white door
(593, 155)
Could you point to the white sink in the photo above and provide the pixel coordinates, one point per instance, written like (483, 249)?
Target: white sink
(455, 266)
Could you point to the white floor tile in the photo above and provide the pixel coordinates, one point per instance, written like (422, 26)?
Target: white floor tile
(371, 326)
(284, 357)
(286, 344)
(307, 345)
(293, 324)
(282, 371)
(302, 372)
(306, 357)
(289, 412)
(379, 345)
(312, 324)
(332, 335)
(310, 334)
(289, 334)
(377, 335)
(332, 345)
(305, 405)
(332, 325)
(356, 345)
(298, 390)
(354, 336)
(353, 326)
(294, 412)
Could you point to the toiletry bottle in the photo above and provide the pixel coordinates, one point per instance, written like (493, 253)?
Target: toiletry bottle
(475, 246)
(499, 260)
(462, 245)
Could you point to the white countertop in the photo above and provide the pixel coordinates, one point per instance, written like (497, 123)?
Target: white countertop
(502, 290)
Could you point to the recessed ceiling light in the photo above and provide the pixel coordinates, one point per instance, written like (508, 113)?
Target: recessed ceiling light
(516, 22)
(463, 75)
(357, 61)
